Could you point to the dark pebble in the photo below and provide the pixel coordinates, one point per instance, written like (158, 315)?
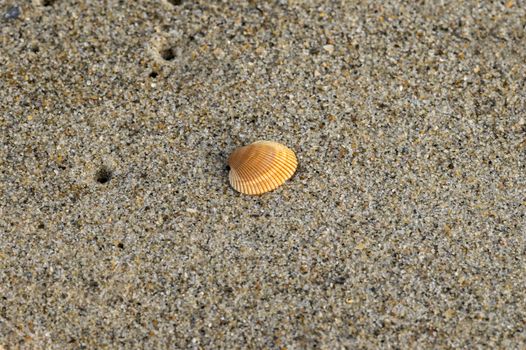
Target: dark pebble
(12, 13)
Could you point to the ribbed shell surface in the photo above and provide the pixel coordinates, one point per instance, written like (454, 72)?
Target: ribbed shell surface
(261, 167)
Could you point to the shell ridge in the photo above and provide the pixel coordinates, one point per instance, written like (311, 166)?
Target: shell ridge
(258, 172)
(283, 168)
(251, 172)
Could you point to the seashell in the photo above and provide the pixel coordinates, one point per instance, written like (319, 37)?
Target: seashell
(261, 167)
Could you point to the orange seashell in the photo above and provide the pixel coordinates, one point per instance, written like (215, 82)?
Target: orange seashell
(261, 167)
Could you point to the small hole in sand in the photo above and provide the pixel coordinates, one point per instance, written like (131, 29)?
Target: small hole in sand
(167, 54)
(153, 75)
(103, 175)
(175, 2)
(48, 2)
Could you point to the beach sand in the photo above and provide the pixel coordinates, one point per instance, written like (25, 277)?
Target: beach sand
(403, 227)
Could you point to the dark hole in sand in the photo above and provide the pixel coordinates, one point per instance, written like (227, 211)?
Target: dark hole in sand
(154, 75)
(168, 54)
(103, 175)
(175, 2)
(339, 280)
(48, 2)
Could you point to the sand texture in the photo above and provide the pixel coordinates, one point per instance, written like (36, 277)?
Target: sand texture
(404, 226)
